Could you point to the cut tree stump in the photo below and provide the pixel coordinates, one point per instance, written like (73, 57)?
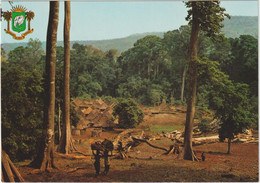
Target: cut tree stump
(9, 171)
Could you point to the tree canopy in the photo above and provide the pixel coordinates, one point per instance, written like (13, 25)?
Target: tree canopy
(128, 112)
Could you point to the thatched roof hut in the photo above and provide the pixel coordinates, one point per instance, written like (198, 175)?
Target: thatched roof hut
(94, 113)
(87, 111)
(76, 102)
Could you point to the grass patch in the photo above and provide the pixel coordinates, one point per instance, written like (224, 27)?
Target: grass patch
(159, 128)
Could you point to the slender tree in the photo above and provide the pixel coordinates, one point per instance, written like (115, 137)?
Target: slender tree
(205, 16)
(45, 156)
(66, 145)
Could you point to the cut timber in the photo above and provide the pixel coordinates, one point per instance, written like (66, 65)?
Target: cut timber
(9, 171)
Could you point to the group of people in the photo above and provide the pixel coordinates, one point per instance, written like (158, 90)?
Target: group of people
(101, 150)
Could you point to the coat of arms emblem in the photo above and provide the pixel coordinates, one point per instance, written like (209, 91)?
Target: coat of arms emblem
(18, 16)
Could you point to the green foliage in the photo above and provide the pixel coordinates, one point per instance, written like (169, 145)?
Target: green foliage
(21, 109)
(204, 125)
(230, 100)
(3, 55)
(179, 102)
(129, 113)
(92, 72)
(243, 66)
(233, 110)
(209, 16)
(146, 58)
(108, 99)
(156, 96)
(29, 56)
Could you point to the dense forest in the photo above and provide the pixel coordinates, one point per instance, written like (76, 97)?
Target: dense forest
(155, 68)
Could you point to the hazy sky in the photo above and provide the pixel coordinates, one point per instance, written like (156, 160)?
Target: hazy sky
(108, 20)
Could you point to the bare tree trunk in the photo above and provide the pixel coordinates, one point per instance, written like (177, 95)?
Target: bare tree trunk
(187, 152)
(229, 144)
(183, 82)
(45, 156)
(59, 113)
(66, 143)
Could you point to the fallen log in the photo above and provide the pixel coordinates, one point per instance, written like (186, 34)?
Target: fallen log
(145, 141)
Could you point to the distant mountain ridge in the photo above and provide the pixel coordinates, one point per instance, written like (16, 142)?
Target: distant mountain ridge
(236, 26)
(240, 25)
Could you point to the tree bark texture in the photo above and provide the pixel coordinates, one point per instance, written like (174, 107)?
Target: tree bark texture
(59, 114)
(183, 82)
(66, 143)
(188, 152)
(229, 144)
(45, 156)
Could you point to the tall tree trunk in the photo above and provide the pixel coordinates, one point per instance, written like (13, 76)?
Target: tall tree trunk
(157, 70)
(183, 82)
(149, 70)
(66, 144)
(229, 144)
(188, 153)
(45, 156)
(59, 114)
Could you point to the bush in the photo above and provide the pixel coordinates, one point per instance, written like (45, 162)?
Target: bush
(129, 113)
(204, 126)
(179, 102)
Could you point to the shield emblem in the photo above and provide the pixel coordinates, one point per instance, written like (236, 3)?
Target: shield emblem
(18, 21)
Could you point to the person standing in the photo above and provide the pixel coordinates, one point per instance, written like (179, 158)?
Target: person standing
(106, 162)
(97, 161)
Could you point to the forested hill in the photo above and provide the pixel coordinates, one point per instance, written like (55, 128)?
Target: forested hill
(120, 44)
(240, 25)
(236, 26)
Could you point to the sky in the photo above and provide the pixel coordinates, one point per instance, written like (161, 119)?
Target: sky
(109, 20)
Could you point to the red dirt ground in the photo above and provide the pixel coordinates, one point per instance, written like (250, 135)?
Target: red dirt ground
(147, 164)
